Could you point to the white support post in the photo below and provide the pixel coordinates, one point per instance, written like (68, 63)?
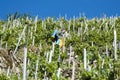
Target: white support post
(85, 60)
(92, 43)
(89, 67)
(70, 56)
(28, 63)
(3, 28)
(115, 45)
(45, 77)
(107, 50)
(8, 71)
(69, 26)
(86, 27)
(35, 23)
(103, 63)
(31, 35)
(37, 61)
(74, 24)
(58, 73)
(6, 45)
(33, 41)
(61, 24)
(73, 71)
(24, 64)
(45, 24)
(81, 32)
(47, 55)
(106, 27)
(53, 47)
(42, 23)
(50, 58)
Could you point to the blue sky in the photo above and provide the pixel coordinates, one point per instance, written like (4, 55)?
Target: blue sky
(52, 8)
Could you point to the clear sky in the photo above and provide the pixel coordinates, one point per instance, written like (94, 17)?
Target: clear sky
(52, 8)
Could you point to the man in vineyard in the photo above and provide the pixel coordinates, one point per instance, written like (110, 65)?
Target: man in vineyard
(58, 37)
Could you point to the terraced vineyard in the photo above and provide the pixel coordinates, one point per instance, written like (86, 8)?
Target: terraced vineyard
(91, 50)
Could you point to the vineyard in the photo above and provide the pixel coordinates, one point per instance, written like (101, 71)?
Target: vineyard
(91, 49)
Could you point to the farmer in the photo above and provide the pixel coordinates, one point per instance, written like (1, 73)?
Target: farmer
(58, 36)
